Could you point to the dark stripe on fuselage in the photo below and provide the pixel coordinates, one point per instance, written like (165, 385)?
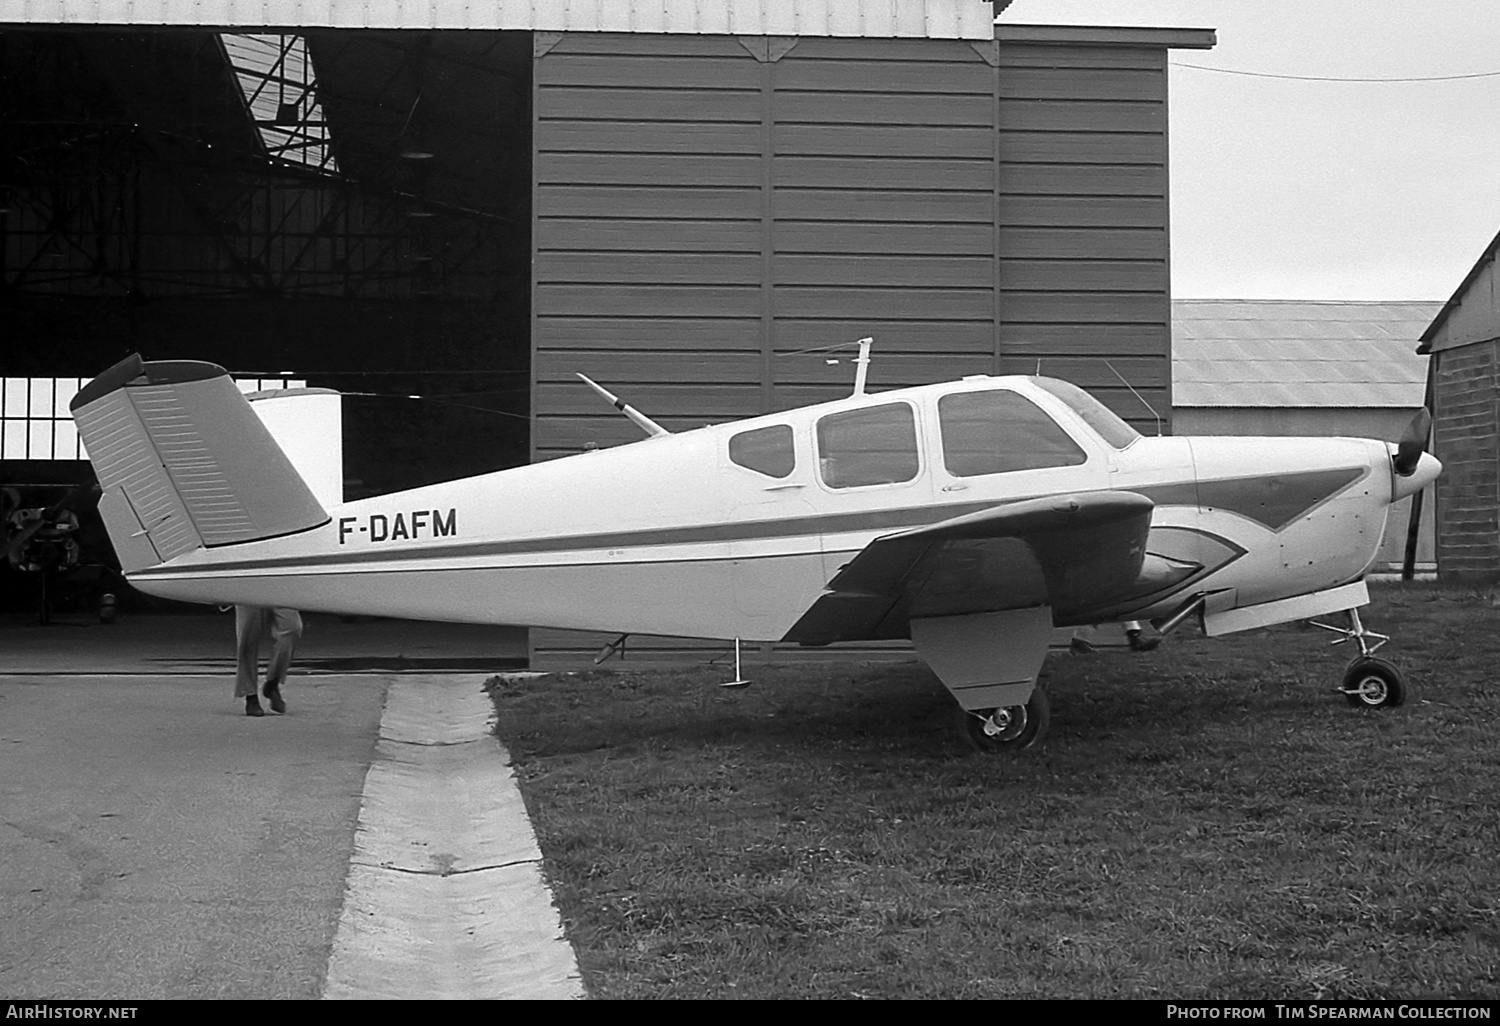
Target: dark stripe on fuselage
(1292, 495)
(750, 530)
(1274, 500)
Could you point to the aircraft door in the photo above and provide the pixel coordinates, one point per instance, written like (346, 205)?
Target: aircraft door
(775, 552)
(873, 477)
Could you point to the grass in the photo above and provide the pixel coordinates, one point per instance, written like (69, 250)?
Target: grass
(1205, 821)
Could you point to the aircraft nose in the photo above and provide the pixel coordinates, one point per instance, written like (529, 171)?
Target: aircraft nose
(1423, 474)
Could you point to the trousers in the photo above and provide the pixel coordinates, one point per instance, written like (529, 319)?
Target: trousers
(251, 624)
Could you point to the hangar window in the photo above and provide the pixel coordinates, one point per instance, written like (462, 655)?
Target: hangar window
(766, 450)
(248, 385)
(875, 445)
(35, 423)
(1001, 431)
(34, 420)
(275, 74)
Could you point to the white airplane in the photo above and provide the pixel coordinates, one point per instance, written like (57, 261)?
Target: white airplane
(972, 517)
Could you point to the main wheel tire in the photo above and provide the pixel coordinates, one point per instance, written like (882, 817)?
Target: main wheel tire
(1374, 683)
(1020, 726)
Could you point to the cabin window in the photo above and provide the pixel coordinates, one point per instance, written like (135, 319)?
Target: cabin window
(874, 445)
(1001, 431)
(766, 450)
(1094, 413)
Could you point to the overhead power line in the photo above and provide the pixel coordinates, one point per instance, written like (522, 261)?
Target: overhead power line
(1334, 78)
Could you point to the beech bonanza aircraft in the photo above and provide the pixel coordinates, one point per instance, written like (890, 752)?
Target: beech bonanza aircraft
(971, 517)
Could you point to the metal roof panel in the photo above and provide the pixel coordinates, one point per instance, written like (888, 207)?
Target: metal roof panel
(921, 19)
(1293, 353)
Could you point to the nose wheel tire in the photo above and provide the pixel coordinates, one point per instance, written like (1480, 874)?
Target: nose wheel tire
(1373, 683)
(1011, 729)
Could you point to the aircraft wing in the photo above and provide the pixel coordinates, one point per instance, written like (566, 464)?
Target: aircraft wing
(1076, 553)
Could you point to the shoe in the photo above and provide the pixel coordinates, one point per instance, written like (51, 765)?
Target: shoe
(273, 695)
(252, 706)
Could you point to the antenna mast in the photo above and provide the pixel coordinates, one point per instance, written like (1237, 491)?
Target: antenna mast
(862, 365)
(637, 418)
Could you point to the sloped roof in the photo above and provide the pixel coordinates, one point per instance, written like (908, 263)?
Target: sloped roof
(1484, 319)
(1298, 353)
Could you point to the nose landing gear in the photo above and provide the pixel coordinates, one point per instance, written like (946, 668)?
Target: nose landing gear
(1373, 683)
(1369, 682)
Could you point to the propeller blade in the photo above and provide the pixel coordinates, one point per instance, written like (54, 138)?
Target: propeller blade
(1413, 443)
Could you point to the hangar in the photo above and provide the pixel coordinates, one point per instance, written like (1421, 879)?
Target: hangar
(689, 201)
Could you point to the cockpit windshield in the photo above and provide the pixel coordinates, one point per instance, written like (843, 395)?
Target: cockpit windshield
(1094, 413)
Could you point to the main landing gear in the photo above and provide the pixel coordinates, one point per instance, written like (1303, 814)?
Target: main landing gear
(1369, 682)
(1012, 729)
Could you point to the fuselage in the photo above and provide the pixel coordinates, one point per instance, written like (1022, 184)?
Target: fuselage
(733, 530)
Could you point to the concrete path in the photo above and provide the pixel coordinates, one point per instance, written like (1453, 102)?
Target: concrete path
(445, 895)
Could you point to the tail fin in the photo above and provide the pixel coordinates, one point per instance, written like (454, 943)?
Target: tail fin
(184, 462)
(308, 425)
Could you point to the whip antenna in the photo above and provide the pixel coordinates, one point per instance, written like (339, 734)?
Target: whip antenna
(637, 418)
(1137, 395)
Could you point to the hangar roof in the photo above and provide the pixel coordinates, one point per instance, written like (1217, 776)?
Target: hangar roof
(1281, 353)
(932, 19)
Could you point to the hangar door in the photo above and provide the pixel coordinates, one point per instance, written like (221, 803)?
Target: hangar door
(709, 208)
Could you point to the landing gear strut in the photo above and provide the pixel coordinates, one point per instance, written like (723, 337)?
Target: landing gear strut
(1011, 729)
(1369, 682)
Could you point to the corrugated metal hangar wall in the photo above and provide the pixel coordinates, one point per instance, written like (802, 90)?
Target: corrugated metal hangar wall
(710, 208)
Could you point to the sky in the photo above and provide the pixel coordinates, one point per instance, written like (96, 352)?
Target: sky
(1288, 189)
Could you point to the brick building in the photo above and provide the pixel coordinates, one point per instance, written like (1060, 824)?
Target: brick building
(1463, 340)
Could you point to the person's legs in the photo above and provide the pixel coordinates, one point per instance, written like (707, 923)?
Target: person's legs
(249, 624)
(286, 629)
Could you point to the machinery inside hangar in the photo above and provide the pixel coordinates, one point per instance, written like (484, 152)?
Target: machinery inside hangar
(340, 209)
